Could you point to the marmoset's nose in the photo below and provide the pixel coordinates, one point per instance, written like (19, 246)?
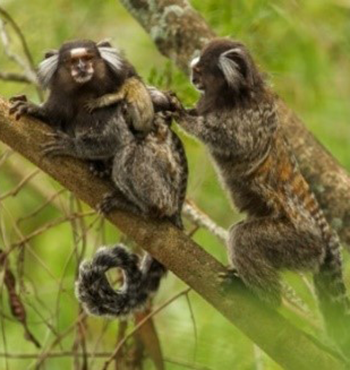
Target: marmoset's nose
(81, 65)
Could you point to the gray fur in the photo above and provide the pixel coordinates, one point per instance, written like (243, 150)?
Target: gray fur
(285, 227)
(92, 286)
(112, 56)
(157, 96)
(149, 173)
(150, 176)
(230, 68)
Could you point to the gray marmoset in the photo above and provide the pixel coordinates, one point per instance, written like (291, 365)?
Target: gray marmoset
(236, 118)
(150, 176)
(149, 173)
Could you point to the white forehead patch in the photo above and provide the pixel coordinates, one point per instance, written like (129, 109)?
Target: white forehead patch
(194, 62)
(77, 52)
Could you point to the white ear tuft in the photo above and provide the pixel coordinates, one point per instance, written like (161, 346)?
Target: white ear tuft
(104, 43)
(112, 56)
(230, 68)
(47, 68)
(194, 61)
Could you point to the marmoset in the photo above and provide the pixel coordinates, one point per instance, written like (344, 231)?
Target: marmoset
(78, 73)
(85, 74)
(150, 177)
(149, 173)
(237, 119)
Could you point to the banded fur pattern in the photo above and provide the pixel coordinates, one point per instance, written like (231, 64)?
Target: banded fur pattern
(151, 179)
(94, 291)
(237, 119)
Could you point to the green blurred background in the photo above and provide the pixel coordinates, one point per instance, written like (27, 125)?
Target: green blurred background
(304, 46)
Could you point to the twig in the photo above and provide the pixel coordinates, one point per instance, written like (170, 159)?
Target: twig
(49, 201)
(5, 156)
(49, 225)
(42, 357)
(94, 350)
(142, 322)
(17, 168)
(195, 332)
(201, 219)
(3, 334)
(17, 189)
(123, 326)
(15, 77)
(18, 31)
(29, 356)
(28, 68)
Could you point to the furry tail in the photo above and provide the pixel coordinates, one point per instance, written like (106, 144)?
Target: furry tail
(95, 292)
(333, 300)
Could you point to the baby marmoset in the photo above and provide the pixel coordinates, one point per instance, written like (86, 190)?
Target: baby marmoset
(139, 111)
(92, 87)
(236, 118)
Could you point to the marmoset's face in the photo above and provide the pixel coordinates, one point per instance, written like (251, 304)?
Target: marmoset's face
(80, 64)
(196, 74)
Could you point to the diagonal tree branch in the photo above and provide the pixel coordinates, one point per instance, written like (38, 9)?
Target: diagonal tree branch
(268, 329)
(179, 33)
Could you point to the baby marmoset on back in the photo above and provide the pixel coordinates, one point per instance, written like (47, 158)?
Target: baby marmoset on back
(98, 105)
(137, 102)
(83, 76)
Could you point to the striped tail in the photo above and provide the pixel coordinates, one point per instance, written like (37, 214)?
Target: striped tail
(95, 292)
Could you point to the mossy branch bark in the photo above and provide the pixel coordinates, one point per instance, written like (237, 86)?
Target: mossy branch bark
(268, 329)
(179, 33)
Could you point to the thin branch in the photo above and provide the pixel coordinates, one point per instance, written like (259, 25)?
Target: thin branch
(195, 331)
(30, 356)
(49, 201)
(17, 189)
(49, 225)
(28, 66)
(17, 168)
(15, 77)
(19, 33)
(142, 322)
(28, 71)
(201, 219)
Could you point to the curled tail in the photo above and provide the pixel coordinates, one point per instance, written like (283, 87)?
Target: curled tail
(331, 290)
(97, 296)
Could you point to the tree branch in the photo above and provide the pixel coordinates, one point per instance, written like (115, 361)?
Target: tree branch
(14, 77)
(179, 33)
(268, 329)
